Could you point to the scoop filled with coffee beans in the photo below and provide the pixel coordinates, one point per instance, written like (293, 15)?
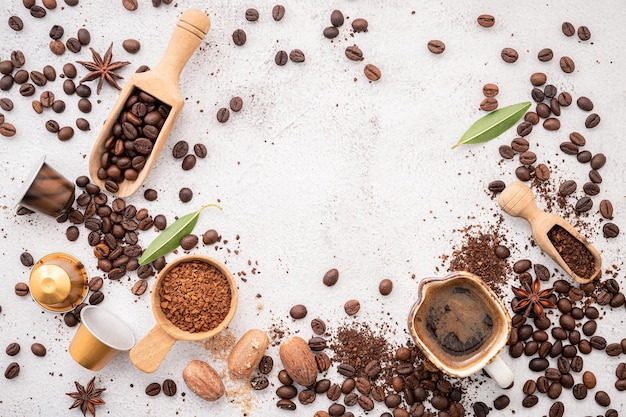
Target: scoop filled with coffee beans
(556, 237)
(144, 114)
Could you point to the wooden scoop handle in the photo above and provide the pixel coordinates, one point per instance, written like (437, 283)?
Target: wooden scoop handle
(150, 351)
(189, 32)
(518, 200)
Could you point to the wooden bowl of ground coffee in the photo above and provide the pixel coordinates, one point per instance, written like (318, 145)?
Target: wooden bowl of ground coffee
(194, 298)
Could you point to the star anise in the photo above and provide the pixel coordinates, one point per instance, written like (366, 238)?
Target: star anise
(87, 397)
(103, 68)
(532, 299)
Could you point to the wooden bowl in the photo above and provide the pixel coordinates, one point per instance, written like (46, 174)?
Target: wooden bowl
(148, 354)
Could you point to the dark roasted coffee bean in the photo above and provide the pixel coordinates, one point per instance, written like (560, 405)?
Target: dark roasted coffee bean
(592, 121)
(266, 364)
(354, 53)
(189, 162)
(252, 15)
(523, 173)
(595, 176)
(577, 364)
(530, 401)
(613, 349)
(598, 342)
(284, 378)
(285, 404)
(13, 349)
(555, 107)
(180, 149)
(169, 387)
(322, 361)
(185, 195)
(351, 399)
(331, 277)
(130, 5)
(486, 20)
(538, 79)
(531, 117)
(96, 298)
(330, 32)
(278, 12)
(318, 326)
(38, 349)
(436, 46)
(239, 37)
(223, 114)
(372, 368)
(579, 391)
(583, 205)
(520, 145)
(480, 409)
(545, 55)
(296, 55)
(602, 398)
(567, 64)
(83, 36)
(27, 259)
(317, 344)
(584, 34)
(568, 29)
(281, 58)
(489, 104)
(188, 242)
(509, 55)
(610, 230)
(351, 307)
(306, 397)
(538, 95)
(557, 409)
(538, 364)
(524, 128)
(501, 251)
(543, 110)
(286, 392)
(567, 188)
(552, 123)
(346, 370)
(521, 266)
(584, 103)
(591, 188)
(598, 161)
(336, 18)
(550, 90)
(334, 392)
(554, 390)
(359, 25)
(322, 386)
(153, 389)
(12, 370)
(506, 152)
(210, 237)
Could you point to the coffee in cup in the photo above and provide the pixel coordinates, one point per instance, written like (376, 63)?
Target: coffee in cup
(461, 326)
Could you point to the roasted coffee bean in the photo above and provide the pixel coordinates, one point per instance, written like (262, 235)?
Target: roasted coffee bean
(523, 173)
(317, 344)
(27, 259)
(352, 307)
(545, 55)
(486, 20)
(70, 319)
(538, 79)
(554, 390)
(331, 277)
(529, 387)
(538, 95)
(322, 361)
(12, 370)
(38, 349)
(568, 29)
(306, 397)
(239, 37)
(584, 103)
(538, 364)
(589, 380)
(83, 36)
(595, 176)
(57, 47)
(592, 121)
(351, 399)
(436, 46)
(497, 187)
(132, 46)
(577, 364)
(617, 300)
(153, 389)
(372, 368)
(613, 349)
(130, 5)
(73, 45)
(266, 364)
(334, 392)
(16, 23)
(521, 266)
(346, 370)
(598, 342)
(285, 404)
(210, 237)
(72, 233)
(543, 110)
(354, 53)
(284, 377)
(530, 401)
(552, 123)
(598, 161)
(372, 72)
(620, 371)
(516, 349)
(330, 32)
(489, 104)
(557, 409)
(611, 413)
(559, 333)
(223, 114)
(188, 242)
(564, 99)
(583, 33)
(566, 188)
(591, 188)
(543, 384)
(189, 162)
(278, 12)
(544, 349)
(509, 55)
(180, 149)
(567, 64)
(610, 230)
(506, 152)
(281, 58)
(530, 348)
(296, 55)
(583, 205)
(322, 386)
(555, 107)
(592, 313)
(385, 286)
(13, 349)
(185, 195)
(252, 15)
(550, 90)
(169, 387)
(490, 90)
(602, 398)
(524, 128)
(95, 283)
(318, 326)
(286, 392)
(359, 25)
(96, 298)
(480, 409)
(531, 117)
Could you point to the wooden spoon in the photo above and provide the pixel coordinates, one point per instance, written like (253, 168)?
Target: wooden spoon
(518, 200)
(150, 351)
(161, 82)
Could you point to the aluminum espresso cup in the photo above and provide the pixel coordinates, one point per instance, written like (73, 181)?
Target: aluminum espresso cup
(461, 326)
(99, 338)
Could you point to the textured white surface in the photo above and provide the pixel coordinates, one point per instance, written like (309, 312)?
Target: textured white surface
(320, 169)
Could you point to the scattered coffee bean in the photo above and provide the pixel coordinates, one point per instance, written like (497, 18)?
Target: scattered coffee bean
(336, 18)
(592, 121)
(602, 398)
(385, 286)
(354, 53)
(239, 37)
(298, 311)
(501, 402)
(583, 205)
(27, 259)
(153, 389)
(139, 288)
(223, 114)
(259, 383)
(296, 55)
(252, 15)
(16, 23)
(509, 55)
(530, 401)
(38, 349)
(189, 162)
(330, 32)
(13, 349)
(486, 20)
(436, 46)
(281, 58)
(545, 55)
(169, 387)
(210, 237)
(130, 5)
(489, 104)
(490, 90)
(606, 209)
(568, 29)
(278, 12)
(372, 72)
(188, 242)
(584, 34)
(352, 307)
(331, 277)
(185, 195)
(132, 46)
(567, 188)
(610, 230)
(567, 64)
(12, 370)
(21, 289)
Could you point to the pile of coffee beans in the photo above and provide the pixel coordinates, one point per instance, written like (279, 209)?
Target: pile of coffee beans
(132, 139)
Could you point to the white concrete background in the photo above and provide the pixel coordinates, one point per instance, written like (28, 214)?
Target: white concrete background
(320, 169)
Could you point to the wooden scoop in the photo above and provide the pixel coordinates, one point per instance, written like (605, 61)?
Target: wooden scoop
(161, 82)
(518, 200)
(148, 354)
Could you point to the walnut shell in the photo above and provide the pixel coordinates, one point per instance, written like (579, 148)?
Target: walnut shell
(299, 361)
(247, 353)
(203, 380)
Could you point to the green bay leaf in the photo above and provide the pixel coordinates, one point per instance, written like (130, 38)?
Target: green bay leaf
(493, 124)
(169, 239)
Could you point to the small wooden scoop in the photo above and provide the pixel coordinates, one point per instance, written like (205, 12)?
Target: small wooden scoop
(150, 351)
(518, 200)
(161, 82)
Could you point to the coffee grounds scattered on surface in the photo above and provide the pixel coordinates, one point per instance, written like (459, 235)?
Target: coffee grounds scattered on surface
(356, 344)
(476, 255)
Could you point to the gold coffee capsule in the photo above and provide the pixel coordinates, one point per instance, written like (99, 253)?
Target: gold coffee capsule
(58, 282)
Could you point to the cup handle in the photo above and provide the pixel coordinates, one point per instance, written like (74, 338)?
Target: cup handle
(150, 351)
(500, 372)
